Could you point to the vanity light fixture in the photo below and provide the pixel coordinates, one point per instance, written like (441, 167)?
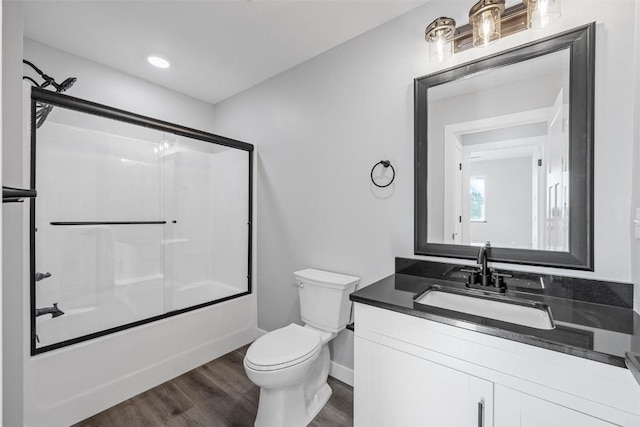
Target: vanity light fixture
(489, 20)
(158, 61)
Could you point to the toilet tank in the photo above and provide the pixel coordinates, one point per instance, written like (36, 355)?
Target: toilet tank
(324, 298)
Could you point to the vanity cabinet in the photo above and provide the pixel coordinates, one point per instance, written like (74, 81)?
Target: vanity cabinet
(517, 409)
(400, 389)
(411, 371)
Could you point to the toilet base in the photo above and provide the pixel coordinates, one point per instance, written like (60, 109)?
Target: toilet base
(321, 399)
(273, 412)
(296, 405)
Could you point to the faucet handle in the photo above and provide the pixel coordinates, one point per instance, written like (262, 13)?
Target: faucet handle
(496, 274)
(473, 278)
(498, 280)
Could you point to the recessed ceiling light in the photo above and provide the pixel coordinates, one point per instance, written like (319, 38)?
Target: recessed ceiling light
(158, 61)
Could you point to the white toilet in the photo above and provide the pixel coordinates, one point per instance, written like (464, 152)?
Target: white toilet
(291, 364)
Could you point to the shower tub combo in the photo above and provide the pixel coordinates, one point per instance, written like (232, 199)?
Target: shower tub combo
(136, 220)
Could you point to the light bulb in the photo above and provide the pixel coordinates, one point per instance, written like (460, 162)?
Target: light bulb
(487, 27)
(440, 49)
(439, 45)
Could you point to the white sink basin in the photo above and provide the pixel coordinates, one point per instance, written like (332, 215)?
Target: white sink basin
(498, 307)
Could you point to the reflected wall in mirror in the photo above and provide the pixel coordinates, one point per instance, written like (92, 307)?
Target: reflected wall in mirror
(504, 155)
(498, 171)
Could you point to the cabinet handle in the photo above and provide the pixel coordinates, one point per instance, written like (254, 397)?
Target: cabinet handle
(481, 413)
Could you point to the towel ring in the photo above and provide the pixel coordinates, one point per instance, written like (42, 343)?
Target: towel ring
(386, 164)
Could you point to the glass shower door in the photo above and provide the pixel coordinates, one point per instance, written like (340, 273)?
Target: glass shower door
(133, 222)
(99, 229)
(207, 201)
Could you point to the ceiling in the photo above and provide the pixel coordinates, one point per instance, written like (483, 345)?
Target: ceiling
(216, 48)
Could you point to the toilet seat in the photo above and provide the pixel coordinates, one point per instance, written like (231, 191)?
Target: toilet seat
(283, 348)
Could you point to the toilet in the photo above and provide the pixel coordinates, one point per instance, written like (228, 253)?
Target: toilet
(291, 364)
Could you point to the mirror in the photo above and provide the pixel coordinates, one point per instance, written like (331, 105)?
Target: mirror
(504, 154)
(504, 178)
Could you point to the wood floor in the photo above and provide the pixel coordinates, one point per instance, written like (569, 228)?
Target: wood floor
(217, 394)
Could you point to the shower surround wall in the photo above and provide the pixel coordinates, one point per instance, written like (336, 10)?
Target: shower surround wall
(64, 386)
(108, 275)
(635, 243)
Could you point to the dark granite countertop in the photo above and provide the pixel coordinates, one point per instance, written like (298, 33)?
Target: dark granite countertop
(599, 332)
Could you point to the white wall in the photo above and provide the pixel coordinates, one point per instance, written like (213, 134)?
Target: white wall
(635, 243)
(469, 107)
(13, 300)
(508, 187)
(70, 384)
(322, 125)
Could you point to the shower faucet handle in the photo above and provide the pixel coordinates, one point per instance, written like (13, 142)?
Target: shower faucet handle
(40, 276)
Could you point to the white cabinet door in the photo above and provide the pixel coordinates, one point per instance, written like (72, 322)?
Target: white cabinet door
(394, 388)
(516, 409)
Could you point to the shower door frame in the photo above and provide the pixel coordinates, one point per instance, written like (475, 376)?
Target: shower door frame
(88, 107)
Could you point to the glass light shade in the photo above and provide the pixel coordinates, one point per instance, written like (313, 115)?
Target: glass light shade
(439, 35)
(440, 47)
(543, 12)
(486, 26)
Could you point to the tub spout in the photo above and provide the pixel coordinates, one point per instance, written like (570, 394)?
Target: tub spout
(53, 311)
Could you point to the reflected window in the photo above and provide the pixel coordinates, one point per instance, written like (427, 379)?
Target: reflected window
(478, 199)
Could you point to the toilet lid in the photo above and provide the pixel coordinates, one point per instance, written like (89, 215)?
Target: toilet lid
(282, 348)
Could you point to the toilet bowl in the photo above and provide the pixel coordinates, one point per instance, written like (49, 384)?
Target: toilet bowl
(291, 364)
(282, 357)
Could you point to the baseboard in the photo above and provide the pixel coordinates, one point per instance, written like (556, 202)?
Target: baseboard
(341, 373)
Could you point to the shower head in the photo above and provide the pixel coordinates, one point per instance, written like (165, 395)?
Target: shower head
(65, 84)
(48, 80)
(43, 110)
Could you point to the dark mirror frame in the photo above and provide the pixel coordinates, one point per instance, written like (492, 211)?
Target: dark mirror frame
(581, 45)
